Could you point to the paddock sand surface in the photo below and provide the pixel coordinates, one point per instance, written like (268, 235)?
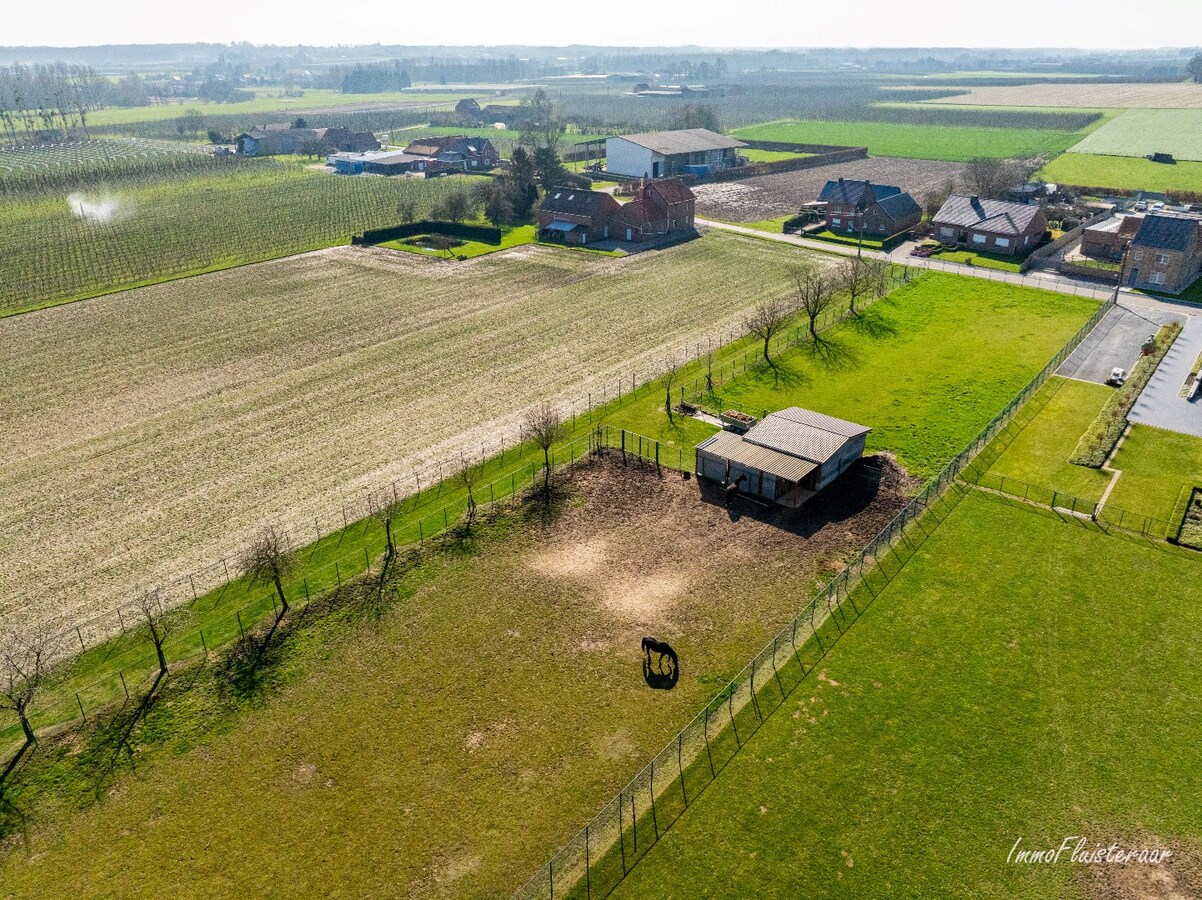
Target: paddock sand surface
(150, 433)
(451, 747)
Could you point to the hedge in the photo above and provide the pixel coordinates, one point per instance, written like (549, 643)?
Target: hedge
(1104, 432)
(485, 234)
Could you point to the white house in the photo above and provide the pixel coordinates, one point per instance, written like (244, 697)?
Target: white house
(661, 154)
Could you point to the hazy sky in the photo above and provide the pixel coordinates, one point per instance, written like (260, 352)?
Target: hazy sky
(744, 23)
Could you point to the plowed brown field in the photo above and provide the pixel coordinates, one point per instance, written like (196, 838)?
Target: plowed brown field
(146, 434)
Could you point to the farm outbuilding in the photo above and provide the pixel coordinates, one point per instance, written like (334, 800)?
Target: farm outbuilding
(659, 154)
(786, 458)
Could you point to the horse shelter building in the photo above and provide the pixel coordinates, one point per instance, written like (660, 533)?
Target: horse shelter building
(785, 458)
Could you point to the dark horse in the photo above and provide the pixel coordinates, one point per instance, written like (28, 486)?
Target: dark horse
(651, 645)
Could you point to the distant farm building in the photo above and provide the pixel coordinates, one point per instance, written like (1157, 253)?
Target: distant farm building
(659, 209)
(863, 207)
(280, 140)
(460, 152)
(786, 458)
(659, 154)
(991, 226)
(382, 162)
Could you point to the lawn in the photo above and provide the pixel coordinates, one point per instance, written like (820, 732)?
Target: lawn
(1036, 446)
(1123, 173)
(926, 368)
(759, 156)
(938, 142)
(985, 260)
(1156, 465)
(1140, 132)
(511, 236)
(1025, 677)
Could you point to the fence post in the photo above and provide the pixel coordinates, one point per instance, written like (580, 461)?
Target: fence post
(706, 733)
(123, 685)
(81, 712)
(654, 820)
(680, 767)
(241, 630)
(730, 699)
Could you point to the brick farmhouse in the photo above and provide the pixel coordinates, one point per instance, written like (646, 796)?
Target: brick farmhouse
(659, 209)
(877, 209)
(991, 226)
(1165, 254)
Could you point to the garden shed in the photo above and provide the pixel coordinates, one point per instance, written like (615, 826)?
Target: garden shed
(786, 458)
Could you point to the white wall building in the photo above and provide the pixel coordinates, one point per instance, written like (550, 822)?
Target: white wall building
(662, 154)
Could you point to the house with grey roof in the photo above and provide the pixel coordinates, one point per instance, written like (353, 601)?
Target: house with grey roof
(990, 226)
(786, 458)
(660, 154)
(575, 216)
(861, 207)
(1166, 253)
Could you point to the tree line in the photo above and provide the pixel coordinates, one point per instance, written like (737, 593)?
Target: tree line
(50, 99)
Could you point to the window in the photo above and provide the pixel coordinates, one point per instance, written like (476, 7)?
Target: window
(1139, 254)
(836, 221)
(979, 238)
(946, 232)
(1156, 278)
(1003, 242)
(1162, 259)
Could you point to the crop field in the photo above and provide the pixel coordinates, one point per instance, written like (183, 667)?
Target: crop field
(81, 158)
(61, 244)
(1140, 132)
(313, 101)
(1026, 677)
(1174, 95)
(770, 196)
(919, 141)
(146, 435)
(441, 749)
(1124, 173)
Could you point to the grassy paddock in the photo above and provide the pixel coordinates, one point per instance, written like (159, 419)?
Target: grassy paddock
(989, 694)
(1123, 173)
(942, 142)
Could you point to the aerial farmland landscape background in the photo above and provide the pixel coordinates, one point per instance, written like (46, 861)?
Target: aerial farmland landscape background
(573, 453)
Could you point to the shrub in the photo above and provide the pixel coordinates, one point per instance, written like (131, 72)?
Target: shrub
(1104, 432)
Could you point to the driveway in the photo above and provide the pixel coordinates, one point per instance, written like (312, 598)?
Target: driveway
(1116, 341)
(1161, 403)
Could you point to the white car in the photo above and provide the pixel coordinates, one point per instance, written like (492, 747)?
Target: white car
(1117, 377)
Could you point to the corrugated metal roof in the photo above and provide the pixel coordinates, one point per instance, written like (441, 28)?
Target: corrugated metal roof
(737, 450)
(805, 433)
(691, 140)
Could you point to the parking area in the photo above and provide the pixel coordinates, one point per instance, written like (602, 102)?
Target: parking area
(1161, 403)
(1115, 342)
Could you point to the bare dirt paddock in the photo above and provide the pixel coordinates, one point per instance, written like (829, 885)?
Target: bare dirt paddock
(146, 434)
(771, 196)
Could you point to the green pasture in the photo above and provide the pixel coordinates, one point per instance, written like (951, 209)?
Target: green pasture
(1123, 173)
(1027, 677)
(942, 142)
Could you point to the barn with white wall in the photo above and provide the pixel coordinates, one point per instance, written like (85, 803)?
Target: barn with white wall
(662, 154)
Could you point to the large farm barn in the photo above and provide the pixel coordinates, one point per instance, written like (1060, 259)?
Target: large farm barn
(660, 154)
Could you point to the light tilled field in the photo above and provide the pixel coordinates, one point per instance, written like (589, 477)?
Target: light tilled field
(769, 196)
(145, 435)
(1139, 132)
(1173, 95)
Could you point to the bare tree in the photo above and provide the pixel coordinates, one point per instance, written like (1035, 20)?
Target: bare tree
(468, 474)
(767, 320)
(545, 427)
(853, 277)
(270, 556)
(815, 295)
(152, 611)
(24, 661)
(990, 178)
(385, 507)
(709, 372)
(667, 379)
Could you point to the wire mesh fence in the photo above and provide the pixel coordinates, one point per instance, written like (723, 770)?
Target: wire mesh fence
(600, 855)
